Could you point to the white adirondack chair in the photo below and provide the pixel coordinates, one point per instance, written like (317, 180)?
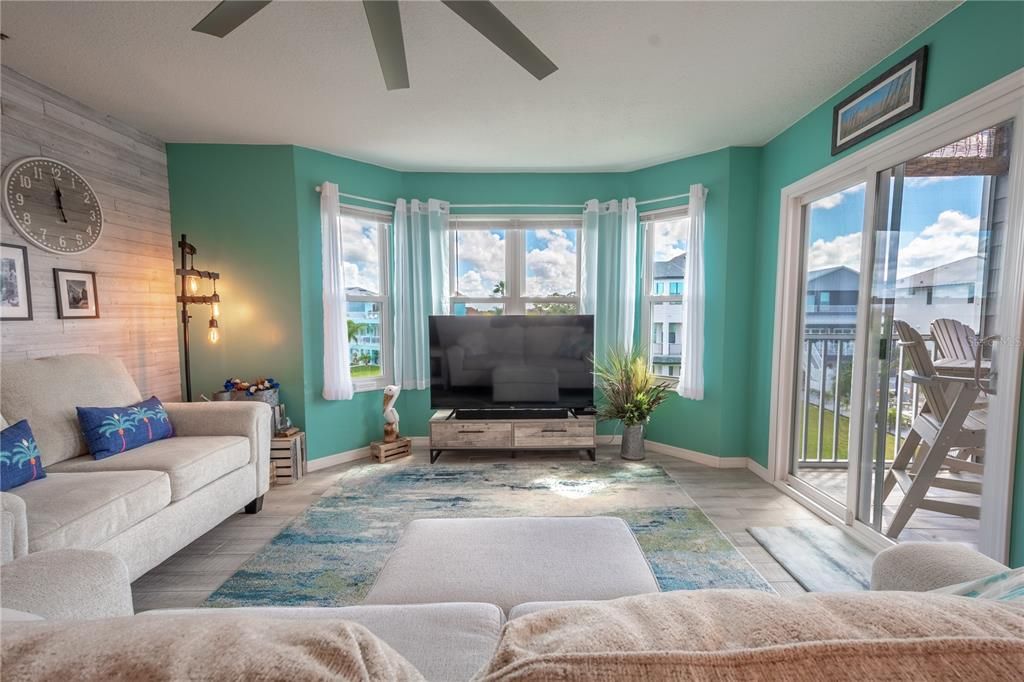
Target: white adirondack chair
(956, 341)
(947, 421)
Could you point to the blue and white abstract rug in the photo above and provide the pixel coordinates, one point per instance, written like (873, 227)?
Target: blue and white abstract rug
(331, 554)
(820, 558)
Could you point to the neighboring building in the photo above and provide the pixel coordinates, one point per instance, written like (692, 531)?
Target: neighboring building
(951, 290)
(365, 349)
(666, 318)
(831, 303)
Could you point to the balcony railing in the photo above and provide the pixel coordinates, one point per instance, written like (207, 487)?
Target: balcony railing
(831, 308)
(823, 426)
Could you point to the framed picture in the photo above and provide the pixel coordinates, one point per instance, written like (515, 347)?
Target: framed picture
(76, 294)
(15, 283)
(890, 98)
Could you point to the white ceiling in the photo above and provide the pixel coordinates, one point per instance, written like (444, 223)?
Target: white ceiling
(638, 82)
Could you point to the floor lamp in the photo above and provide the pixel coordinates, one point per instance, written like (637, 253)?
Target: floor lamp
(190, 278)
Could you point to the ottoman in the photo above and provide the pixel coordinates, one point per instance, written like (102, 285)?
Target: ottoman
(511, 561)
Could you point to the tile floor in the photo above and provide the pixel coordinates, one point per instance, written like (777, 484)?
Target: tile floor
(734, 499)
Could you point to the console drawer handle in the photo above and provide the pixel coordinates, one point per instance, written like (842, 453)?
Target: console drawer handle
(472, 431)
(554, 430)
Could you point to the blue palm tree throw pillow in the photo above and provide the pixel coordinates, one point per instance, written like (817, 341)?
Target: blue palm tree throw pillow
(112, 430)
(19, 456)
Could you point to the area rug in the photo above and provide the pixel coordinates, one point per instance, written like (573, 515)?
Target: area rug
(820, 558)
(331, 554)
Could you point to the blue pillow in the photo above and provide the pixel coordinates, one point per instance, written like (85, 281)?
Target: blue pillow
(112, 430)
(19, 456)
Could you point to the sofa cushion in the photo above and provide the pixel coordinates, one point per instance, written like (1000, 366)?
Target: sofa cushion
(190, 462)
(743, 634)
(110, 431)
(46, 391)
(444, 641)
(200, 647)
(84, 510)
(508, 561)
(19, 456)
(520, 610)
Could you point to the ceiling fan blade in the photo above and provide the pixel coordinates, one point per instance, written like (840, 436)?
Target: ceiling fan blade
(227, 16)
(496, 27)
(386, 28)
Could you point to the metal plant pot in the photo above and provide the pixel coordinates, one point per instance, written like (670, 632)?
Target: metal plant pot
(633, 442)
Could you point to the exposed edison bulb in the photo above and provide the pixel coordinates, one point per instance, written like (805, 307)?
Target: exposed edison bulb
(193, 284)
(214, 334)
(215, 310)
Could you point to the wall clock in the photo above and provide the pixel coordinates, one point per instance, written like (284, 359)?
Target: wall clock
(52, 205)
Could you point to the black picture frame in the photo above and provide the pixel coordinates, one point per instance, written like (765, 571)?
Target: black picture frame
(64, 309)
(27, 281)
(904, 83)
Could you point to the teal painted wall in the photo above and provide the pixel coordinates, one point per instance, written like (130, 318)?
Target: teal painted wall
(974, 45)
(237, 205)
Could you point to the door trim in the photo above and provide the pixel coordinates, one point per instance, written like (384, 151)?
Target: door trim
(992, 104)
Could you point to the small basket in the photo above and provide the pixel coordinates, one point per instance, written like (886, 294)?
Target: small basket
(269, 396)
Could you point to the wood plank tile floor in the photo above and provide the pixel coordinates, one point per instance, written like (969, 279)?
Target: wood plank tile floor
(734, 499)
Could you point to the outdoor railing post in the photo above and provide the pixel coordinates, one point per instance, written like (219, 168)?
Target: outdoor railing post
(821, 399)
(835, 402)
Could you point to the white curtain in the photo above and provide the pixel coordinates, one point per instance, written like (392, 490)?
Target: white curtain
(421, 285)
(691, 379)
(588, 259)
(337, 375)
(609, 243)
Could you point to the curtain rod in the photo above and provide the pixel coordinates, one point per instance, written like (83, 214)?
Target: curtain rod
(356, 196)
(392, 204)
(654, 201)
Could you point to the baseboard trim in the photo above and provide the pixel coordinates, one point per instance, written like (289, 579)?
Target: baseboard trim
(712, 461)
(761, 471)
(337, 458)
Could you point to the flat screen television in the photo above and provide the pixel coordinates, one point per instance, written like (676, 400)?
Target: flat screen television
(482, 362)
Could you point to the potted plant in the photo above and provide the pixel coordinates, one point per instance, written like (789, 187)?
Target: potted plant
(630, 392)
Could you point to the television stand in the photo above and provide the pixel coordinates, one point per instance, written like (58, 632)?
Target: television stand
(565, 432)
(489, 414)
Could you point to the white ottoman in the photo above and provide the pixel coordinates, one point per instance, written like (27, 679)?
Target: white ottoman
(512, 561)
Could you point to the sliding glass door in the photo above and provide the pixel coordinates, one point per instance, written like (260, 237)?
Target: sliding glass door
(832, 228)
(939, 232)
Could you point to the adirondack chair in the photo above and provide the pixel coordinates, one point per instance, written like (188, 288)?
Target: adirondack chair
(947, 422)
(956, 341)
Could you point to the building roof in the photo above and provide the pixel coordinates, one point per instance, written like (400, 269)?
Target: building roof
(671, 269)
(963, 271)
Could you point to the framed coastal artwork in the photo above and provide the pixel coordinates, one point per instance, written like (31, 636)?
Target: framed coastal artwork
(15, 283)
(76, 294)
(890, 98)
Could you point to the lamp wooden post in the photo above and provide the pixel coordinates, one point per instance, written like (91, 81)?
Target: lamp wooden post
(190, 278)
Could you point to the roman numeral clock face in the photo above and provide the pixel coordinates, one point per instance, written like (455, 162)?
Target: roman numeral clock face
(52, 205)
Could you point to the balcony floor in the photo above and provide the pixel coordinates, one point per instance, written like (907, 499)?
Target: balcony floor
(924, 525)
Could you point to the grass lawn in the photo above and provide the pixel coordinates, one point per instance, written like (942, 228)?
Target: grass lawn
(365, 371)
(844, 437)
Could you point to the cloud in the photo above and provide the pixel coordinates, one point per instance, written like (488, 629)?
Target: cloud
(359, 248)
(951, 237)
(669, 239)
(481, 256)
(551, 269)
(833, 200)
(843, 250)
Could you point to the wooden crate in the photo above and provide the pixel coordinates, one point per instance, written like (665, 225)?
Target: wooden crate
(385, 452)
(288, 458)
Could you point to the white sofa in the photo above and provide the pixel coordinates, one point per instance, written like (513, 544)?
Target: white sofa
(452, 641)
(142, 505)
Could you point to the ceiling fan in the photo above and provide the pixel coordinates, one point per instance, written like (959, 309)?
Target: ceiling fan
(386, 28)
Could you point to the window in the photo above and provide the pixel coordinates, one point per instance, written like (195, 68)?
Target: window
(365, 252)
(664, 273)
(515, 266)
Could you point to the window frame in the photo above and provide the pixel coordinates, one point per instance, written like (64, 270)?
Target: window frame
(384, 222)
(515, 228)
(649, 298)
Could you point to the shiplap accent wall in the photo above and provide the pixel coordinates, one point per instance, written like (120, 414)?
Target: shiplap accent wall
(134, 258)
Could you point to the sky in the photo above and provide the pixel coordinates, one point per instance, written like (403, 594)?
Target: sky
(550, 261)
(939, 220)
(362, 261)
